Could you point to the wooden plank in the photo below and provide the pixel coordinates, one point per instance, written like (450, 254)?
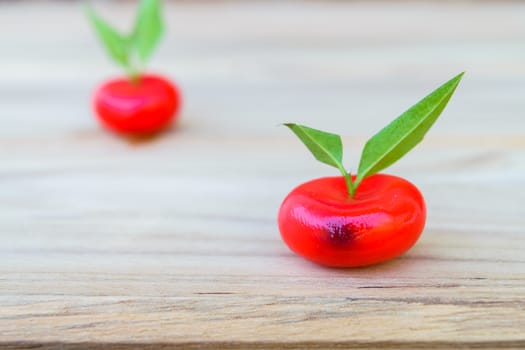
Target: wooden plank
(173, 242)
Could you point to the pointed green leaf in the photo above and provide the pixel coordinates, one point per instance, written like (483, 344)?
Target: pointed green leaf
(148, 29)
(326, 147)
(405, 132)
(117, 45)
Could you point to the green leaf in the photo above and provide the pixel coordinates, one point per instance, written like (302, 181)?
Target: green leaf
(148, 29)
(116, 44)
(405, 132)
(326, 147)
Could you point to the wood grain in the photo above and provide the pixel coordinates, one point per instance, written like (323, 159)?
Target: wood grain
(172, 243)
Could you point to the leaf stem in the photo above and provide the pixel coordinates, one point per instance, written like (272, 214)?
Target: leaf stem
(357, 181)
(348, 179)
(133, 71)
(133, 77)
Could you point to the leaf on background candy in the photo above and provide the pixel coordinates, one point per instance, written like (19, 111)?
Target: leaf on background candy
(148, 29)
(405, 132)
(116, 44)
(326, 147)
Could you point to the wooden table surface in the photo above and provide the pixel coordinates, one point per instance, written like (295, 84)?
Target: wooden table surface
(174, 241)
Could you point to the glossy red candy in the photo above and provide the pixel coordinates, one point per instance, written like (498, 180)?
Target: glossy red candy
(143, 107)
(321, 222)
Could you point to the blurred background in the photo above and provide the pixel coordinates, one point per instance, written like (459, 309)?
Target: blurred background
(247, 65)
